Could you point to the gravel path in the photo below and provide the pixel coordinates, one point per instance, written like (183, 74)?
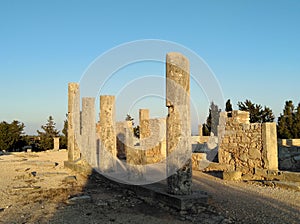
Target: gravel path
(250, 202)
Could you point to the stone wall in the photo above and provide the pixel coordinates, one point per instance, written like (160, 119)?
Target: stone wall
(135, 157)
(289, 158)
(156, 150)
(198, 160)
(289, 142)
(120, 132)
(244, 146)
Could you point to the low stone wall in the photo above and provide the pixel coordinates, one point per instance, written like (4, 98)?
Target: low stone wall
(197, 160)
(244, 146)
(289, 142)
(289, 158)
(154, 143)
(203, 139)
(152, 137)
(120, 132)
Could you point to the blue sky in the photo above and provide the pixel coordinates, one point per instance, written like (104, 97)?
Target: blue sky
(252, 47)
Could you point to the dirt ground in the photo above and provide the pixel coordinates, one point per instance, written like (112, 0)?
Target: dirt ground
(36, 188)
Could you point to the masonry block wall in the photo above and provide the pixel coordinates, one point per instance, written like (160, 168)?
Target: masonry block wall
(246, 147)
(120, 132)
(155, 151)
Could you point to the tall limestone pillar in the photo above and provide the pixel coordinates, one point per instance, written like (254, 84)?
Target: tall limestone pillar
(88, 132)
(179, 150)
(73, 122)
(144, 135)
(107, 134)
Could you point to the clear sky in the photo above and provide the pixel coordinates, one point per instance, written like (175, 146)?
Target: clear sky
(253, 48)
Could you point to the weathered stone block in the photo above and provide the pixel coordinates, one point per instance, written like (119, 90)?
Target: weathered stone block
(244, 169)
(56, 143)
(270, 152)
(120, 138)
(244, 157)
(295, 142)
(197, 158)
(232, 175)
(254, 153)
(200, 130)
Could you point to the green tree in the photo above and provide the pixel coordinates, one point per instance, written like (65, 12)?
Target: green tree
(47, 134)
(289, 122)
(212, 120)
(136, 130)
(257, 113)
(297, 122)
(205, 130)
(63, 141)
(267, 115)
(129, 118)
(228, 106)
(12, 136)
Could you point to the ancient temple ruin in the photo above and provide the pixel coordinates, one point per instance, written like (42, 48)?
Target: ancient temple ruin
(241, 150)
(103, 144)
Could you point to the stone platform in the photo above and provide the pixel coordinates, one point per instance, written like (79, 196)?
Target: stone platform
(155, 193)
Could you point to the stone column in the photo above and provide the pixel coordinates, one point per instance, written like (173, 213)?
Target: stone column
(144, 135)
(200, 130)
(73, 121)
(162, 138)
(144, 123)
(179, 149)
(269, 142)
(88, 142)
(107, 134)
(56, 143)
